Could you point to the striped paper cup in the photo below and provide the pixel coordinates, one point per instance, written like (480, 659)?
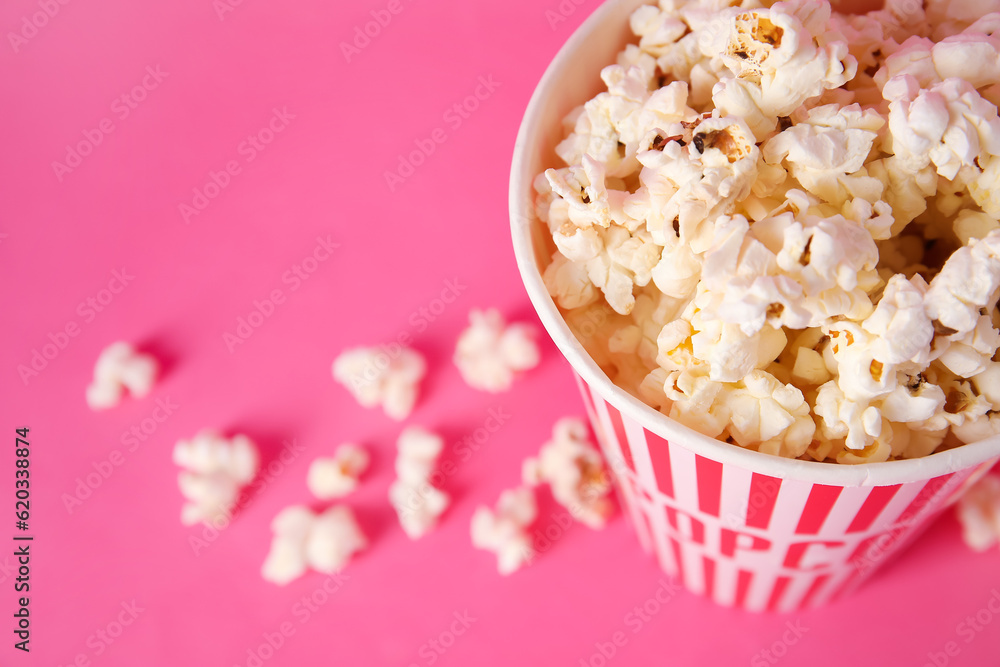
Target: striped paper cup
(745, 529)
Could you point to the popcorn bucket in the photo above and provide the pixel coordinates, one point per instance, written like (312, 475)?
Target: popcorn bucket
(745, 529)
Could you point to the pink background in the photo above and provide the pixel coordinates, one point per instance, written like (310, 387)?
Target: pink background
(323, 175)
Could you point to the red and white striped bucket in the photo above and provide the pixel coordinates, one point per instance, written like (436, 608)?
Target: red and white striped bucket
(759, 541)
(745, 529)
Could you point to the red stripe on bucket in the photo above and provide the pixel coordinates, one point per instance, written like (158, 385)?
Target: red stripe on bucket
(780, 584)
(659, 454)
(743, 580)
(821, 500)
(813, 589)
(763, 496)
(709, 485)
(923, 498)
(708, 565)
(675, 545)
(873, 506)
(616, 422)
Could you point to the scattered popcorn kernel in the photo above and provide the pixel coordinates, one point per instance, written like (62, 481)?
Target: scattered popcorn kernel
(490, 352)
(337, 476)
(215, 469)
(120, 367)
(574, 469)
(388, 377)
(979, 513)
(504, 530)
(417, 500)
(324, 542)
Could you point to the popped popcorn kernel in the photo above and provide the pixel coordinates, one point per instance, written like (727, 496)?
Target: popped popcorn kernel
(490, 352)
(337, 476)
(504, 530)
(574, 469)
(119, 368)
(214, 471)
(979, 513)
(388, 377)
(302, 540)
(414, 495)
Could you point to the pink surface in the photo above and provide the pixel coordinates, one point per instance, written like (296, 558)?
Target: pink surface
(222, 74)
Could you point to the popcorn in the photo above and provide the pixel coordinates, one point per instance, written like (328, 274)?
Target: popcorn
(418, 503)
(573, 468)
(780, 225)
(504, 530)
(777, 62)
(826, 148)
(120, 367)
(303, 540)
(979, 513)
(489, 353)
(968, 282)
(382, 377)
(216, 469)
(689, 179)
(337, 476)
(948, 124)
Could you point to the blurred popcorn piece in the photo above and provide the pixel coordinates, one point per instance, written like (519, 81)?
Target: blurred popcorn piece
(215, 470)
(490, 352)
(120, 367)
(979, 513)
(417, 501)
(573, 468)
(303, 540)
(388, 377)
(337, 476)
(504, 530)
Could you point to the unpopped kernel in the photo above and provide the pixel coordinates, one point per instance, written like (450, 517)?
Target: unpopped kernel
(785, 221)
